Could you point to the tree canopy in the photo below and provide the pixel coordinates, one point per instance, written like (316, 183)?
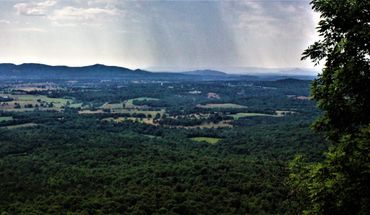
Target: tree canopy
(339, 185)
(342, 89)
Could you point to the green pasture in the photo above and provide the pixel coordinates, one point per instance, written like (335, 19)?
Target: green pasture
(241, 115)
(210, 140)
(25, 125)
(34, 100)
(222, 105)
(129, 103)
(5, 118)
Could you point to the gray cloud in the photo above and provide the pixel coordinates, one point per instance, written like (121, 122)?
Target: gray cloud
(73, 15)
(157, 33)
(4, 21)
(270, 33)
(34, 8)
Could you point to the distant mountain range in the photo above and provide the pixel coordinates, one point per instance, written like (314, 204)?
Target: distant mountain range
(103, 72)
(245, 70)
(41, 71)
(206, 73)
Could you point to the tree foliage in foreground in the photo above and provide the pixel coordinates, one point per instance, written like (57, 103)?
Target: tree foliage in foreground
(340, 184)
(342, 90)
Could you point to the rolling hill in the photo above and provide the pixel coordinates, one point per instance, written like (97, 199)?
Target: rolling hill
(31, 71)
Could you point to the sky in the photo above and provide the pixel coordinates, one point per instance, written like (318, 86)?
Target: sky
(157, 34)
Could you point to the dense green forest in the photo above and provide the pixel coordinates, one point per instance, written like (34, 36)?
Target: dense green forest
(128, 148)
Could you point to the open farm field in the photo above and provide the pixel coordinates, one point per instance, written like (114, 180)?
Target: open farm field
(111, 106)
(5, 118)
(129, 103)
(241, 115)
(221, 105)
(21, 103)
(277, 114)
(75, 105)
(147, 113)
(210, 140)
(25, 125)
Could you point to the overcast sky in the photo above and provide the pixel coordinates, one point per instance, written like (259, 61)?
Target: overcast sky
(163, 34)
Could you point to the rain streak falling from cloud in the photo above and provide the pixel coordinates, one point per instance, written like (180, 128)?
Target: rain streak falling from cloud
(172, 34)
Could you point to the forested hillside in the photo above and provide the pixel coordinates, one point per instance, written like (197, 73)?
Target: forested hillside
(113, 147)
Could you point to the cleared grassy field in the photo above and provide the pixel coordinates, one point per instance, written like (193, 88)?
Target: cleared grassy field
(34, 100)
(128, 107)
(75, 105)
(129, 103)
(113, 106)
(25, 125)
(130, 111)
(241, 115)
(5, 118)
(210, 140)
(150, 136)
(41, 98)
(127, 111)
(12, 109)
(222, 105)
(278, 114)
(30, 89)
